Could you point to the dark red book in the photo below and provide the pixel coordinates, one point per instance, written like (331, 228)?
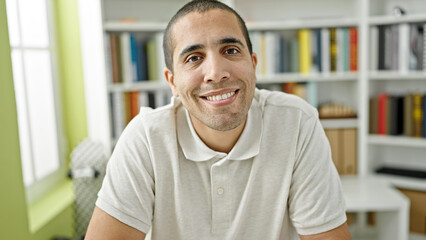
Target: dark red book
(353, 49)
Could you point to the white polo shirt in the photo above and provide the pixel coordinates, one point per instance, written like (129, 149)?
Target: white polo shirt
(278, 181)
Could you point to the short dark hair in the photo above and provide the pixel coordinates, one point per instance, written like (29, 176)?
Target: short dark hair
(200, 6)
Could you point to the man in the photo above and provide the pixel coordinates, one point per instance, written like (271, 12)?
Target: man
(223, 160)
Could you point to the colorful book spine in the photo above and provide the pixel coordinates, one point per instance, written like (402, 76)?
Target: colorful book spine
(304, 51)
(134, 104)
(408, 115)
(353, 49)
(417, 115)
(134, 59)
(333, 50)
(294, 55)
(325, 50)
(126, 62)
(151, 50)
(404, 47)
(383, 100)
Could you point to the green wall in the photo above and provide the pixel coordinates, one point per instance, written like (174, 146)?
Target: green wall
(13, 208)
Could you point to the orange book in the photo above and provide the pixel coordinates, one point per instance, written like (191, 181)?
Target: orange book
(353, 49)
(134, 104)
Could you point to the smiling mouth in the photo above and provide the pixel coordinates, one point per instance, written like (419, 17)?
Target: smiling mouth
(220, 97)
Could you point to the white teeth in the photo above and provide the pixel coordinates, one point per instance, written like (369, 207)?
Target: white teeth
(220, 97)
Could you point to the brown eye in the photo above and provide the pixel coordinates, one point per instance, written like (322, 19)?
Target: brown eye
(193, 59)
(231, 51)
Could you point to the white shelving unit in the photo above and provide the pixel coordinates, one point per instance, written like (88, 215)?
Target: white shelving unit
(99, 17)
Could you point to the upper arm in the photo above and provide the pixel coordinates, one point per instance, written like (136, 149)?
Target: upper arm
(103, 226)
(339, 233)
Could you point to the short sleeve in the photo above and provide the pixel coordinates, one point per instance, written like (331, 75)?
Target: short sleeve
(127, 192)
(316, 202)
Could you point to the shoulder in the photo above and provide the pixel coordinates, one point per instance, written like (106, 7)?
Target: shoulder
(283, 102)
(151, 124)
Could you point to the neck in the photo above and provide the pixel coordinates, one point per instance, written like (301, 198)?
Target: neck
(221, 141)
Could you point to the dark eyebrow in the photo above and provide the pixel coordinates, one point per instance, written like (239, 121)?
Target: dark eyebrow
(230, 40)
(190, 49)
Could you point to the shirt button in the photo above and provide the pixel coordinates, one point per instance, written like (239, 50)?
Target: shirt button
(220, 191)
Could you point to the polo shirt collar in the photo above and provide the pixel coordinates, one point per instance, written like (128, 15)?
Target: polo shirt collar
(247, 146)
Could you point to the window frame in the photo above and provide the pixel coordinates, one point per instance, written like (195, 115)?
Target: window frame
(40, 186)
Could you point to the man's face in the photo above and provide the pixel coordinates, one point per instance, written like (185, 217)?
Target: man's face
(214, 72)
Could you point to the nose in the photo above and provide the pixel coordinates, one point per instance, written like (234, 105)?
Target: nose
(216, 69)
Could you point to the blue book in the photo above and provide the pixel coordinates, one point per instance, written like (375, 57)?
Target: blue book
(143, 61)
(134, 59)
(319, 50)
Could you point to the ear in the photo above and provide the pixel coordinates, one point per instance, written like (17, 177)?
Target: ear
(170, 80)
(254, 60)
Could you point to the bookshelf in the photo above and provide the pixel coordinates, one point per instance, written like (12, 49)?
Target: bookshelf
(353, 88)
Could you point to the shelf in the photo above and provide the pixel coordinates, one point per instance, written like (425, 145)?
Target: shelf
(395, 75)
(404, 182)
(340, 123)
(297, 77)
(138, 86)
(301, 23)
(135, 26)
(370, 194)
(400, 141)
(382, 20)
(115, 26)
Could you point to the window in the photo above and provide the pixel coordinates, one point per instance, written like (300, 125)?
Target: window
(33, 64)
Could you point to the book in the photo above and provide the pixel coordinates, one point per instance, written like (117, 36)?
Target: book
(417, 115)
(396, 115)
(134, 57)
(393, 47)
(152, 57)
(256, 46)
(404, 48)
(381, 48)
(420, 47)
(319, 50)
(373, 115)
(349, 151)
(333, 50)
(126, 63)
(353, 49)
(272, 51)
(304, 37)
(115, 57)
(424, 118)
(134, 104)
(161, 64)
(143, 61)
(314, 51)
(335, 145)
(383, 101)
(345, 49)
(424, 47)
(408, 115)
(340, 49)
(388, 46)
(294, 55)
(374, 48)
(325, 50)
